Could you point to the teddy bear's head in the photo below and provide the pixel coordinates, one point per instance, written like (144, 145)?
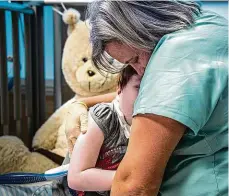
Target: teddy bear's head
(78, 69)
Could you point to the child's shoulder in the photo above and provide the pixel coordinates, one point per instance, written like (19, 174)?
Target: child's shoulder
(105, 116)
(102, 110)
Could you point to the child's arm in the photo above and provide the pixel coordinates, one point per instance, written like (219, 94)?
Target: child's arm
(82, 174)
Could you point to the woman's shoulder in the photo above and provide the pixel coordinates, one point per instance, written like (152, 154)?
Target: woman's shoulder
(203, 43)
(209, 31)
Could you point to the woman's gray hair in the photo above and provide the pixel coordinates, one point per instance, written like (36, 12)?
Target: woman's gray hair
(139, 24)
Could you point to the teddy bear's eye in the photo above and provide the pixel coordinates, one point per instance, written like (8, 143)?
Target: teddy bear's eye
(85, 59)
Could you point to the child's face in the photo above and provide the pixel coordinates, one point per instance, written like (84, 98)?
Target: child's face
(127, 97)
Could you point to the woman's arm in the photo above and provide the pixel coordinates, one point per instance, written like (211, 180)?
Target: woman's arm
(152, 141)
(82, 174)
(91, 101)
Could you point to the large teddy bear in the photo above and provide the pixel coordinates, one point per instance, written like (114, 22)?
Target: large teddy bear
(84, 79)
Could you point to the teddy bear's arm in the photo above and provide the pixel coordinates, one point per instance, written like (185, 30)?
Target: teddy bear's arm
(46, 136)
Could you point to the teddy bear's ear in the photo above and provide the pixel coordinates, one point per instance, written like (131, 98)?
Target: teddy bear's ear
(71, 17)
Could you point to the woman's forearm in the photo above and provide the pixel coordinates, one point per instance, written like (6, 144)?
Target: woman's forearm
(92, 180)
(91, 101)
(142, 168)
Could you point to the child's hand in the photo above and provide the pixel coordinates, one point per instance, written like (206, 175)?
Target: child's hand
(76, 122)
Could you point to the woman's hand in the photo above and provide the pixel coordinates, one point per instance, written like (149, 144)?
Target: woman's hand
(76, 122)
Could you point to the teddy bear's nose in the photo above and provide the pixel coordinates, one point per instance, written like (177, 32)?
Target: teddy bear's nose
(90, 73)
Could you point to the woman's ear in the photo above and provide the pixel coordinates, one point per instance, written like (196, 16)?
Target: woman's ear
(71, 17)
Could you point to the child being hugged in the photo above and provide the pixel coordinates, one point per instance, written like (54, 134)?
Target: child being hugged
(97, 153)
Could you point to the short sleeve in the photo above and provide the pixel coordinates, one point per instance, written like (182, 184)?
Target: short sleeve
(104, 116)
(187, 74)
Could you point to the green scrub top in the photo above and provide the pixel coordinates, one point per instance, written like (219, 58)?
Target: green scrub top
(186, 79)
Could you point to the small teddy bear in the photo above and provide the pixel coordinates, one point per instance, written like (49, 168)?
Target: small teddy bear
(16, 157)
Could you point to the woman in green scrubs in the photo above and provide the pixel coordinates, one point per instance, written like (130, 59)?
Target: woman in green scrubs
(178, 143)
